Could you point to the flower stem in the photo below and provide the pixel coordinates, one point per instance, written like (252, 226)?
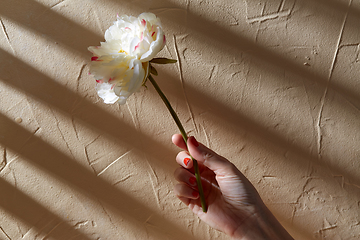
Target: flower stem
(183, 133)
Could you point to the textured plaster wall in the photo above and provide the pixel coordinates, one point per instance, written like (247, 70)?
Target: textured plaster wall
(273, 85)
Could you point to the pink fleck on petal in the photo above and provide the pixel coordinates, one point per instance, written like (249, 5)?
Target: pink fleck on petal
(100, 81)
(152, 34)
(137, 46)
(143, 22)
(110, 79)
(164, 39)
(112, 86)
(95, 58)
(127, 28)
(142, 36)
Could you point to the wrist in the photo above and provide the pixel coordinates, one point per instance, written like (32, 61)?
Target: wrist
(260, 226)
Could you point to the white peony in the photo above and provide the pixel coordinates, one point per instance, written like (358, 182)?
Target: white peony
(120, 65)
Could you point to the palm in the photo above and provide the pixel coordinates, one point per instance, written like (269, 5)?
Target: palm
(226, 196)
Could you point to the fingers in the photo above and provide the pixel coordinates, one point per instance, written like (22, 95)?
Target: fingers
(183, 159)
(178, 140)
(186, 189)
(184, 176)
(184, 192)
(204, 155)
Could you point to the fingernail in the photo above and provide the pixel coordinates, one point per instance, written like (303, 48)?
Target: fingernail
(186, 161)
(192, 180)
(193, 141)
(195, 194)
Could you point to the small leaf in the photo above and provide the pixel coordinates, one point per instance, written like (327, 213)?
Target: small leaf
(163, 60)
(153, 70)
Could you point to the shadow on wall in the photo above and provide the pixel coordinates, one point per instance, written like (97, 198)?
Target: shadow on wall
(37, 152)
(33, 214)
(260, 134)
(260, 56)
(84, 38)
(49, 24)
(235, 44)
(65, 169)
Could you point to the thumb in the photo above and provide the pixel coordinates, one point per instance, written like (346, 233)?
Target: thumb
(218, 164)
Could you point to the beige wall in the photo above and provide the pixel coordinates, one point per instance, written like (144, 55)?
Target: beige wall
(273, 85)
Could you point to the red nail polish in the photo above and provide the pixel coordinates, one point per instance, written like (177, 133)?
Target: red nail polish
(193, 141)
(195, 194)
(186, 161)
(192, 180)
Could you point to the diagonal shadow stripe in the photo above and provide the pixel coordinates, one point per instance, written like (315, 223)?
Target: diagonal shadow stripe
(25, 208)
(33, 83)
(242, 122)
(204, 29)
(340, 6)
(51, 160)
(63, 99)
(200, 26)
(248, 122)
(49, 24)
(198, 21)
(236, 44)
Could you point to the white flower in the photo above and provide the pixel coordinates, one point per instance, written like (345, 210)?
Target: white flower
(120, 64)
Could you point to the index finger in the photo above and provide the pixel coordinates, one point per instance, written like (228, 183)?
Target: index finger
(178, 140)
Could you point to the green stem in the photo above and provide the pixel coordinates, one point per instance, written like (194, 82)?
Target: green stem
(183, 133)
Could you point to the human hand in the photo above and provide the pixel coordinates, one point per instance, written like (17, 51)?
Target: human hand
(234, 205)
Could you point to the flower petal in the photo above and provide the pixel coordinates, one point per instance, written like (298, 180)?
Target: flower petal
(106, 93)
(155, 47)
(120, 65)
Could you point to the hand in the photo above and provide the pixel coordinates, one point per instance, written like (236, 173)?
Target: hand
(234, 205)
